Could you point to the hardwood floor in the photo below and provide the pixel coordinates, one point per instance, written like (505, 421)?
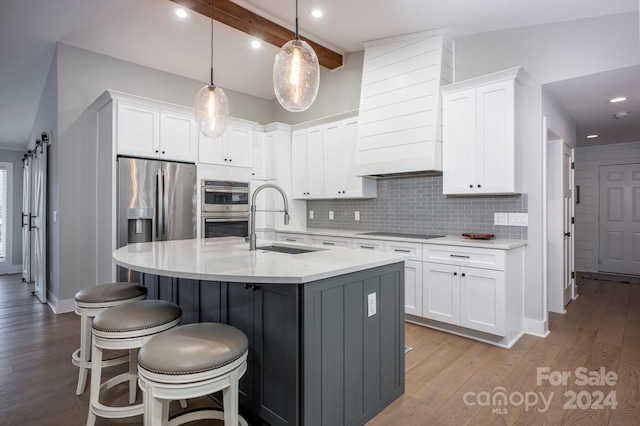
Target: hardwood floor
(600, 329)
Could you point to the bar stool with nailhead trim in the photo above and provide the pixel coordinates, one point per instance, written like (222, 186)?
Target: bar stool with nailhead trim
(89, 303)
(188, 362)
(125, 327)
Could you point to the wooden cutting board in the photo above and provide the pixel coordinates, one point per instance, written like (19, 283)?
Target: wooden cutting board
(475, 236)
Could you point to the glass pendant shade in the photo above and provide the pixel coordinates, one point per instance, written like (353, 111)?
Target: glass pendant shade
(296, 76)
(212, 111)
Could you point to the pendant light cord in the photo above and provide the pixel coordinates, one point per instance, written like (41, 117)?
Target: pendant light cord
(212, 42)
(297, 36)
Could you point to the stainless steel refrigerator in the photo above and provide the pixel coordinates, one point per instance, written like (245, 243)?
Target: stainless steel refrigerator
(156, 202)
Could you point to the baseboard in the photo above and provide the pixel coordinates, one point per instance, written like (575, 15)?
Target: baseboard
(60, 306)
(10, 269)
(538, 328)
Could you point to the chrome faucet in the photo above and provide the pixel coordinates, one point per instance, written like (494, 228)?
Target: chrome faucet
(252, 219)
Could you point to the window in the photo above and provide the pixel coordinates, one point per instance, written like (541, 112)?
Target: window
(3, 213)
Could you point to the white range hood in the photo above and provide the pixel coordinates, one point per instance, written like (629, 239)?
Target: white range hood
(400, 123)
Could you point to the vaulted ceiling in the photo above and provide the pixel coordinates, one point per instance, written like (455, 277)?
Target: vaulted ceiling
(148, 32)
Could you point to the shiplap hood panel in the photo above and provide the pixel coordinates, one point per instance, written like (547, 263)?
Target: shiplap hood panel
(400, 124)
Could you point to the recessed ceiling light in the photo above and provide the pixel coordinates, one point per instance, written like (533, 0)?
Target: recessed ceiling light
(181, 13)
(592, 136)
(317, 13)
(620, 99)
(256, 44)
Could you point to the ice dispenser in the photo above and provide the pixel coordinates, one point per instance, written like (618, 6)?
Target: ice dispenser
(140, 225)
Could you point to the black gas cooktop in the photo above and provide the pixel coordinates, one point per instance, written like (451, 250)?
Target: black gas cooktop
(400, 234)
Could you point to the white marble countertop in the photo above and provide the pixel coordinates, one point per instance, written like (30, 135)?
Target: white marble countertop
(496, 243)
(229, 259)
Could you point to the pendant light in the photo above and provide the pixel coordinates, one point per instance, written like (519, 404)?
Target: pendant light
(211, 104)
(296, 74)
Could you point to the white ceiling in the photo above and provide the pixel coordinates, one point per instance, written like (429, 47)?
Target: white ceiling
(147, 32)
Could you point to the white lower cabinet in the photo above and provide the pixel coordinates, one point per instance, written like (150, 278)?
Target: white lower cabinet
(469, 297)
(413, 287)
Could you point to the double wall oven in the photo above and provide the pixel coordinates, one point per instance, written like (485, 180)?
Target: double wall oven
(225, 208)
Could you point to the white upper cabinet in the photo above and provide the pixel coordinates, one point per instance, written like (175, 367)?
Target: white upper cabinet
(232, 148)
(307, 157)
(400, 113)
(151, 131)
(482, 123)
(340, 180)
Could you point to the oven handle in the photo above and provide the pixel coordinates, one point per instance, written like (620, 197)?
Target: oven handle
(242, 191)
(231, 219)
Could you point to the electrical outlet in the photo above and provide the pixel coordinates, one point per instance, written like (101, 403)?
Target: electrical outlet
(357, 215)
(501, 218)
(330, 214)
(371, 304)
(310, 214)
(519, 219)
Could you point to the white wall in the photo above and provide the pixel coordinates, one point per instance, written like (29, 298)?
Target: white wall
(339, 92)
(588, 162)
(553, 52)
(558, 121)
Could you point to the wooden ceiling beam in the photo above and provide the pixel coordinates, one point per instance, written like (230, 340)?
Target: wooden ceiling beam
(235, 16)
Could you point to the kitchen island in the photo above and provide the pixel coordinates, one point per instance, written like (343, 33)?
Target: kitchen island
(325, 326)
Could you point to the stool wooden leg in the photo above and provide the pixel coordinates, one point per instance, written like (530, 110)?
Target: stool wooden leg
(230, 400)
(133, 371)
(85, 350)
(96, 378)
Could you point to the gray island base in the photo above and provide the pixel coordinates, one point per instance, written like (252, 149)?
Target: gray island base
(316, 355)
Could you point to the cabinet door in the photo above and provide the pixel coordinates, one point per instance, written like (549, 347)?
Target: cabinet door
(495, 170)
(177, 137)
(413, 287)
(441, 292)
(238, 311)
(263, 153)
(483, 305)
(352, 183)
(276, 346)
(239, 142)
(212, 150)
(299, 164)
(333, 152)
(138, 130)
(315, 162)
(459, 142)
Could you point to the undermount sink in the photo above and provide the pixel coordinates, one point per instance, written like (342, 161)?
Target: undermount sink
(288, 250)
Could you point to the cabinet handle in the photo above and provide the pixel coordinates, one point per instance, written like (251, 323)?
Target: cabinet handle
(479, 185)
(367, 247)
(251, 286)
(402, 251)
(567, 234)
(470, 186)
(163, 152)
(463, 274)
(290, 239)
(327, 243)
(157, 151)
(455, 273)
(231, 159)
(460, 256)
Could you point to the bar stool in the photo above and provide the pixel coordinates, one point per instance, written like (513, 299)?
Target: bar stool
(89, 303)
(125, 327)
(188, 362)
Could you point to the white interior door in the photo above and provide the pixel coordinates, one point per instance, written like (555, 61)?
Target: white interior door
(567, 214)
(39, 225)
(620, 219)
(26, 211)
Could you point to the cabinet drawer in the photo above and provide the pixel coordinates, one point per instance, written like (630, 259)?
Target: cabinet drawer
(465, 256)
(293, 238)
(402, 247)
(373, 245)
(330, 241)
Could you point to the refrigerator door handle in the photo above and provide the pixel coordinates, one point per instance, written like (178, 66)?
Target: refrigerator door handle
(159, 210)
(165, 205)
